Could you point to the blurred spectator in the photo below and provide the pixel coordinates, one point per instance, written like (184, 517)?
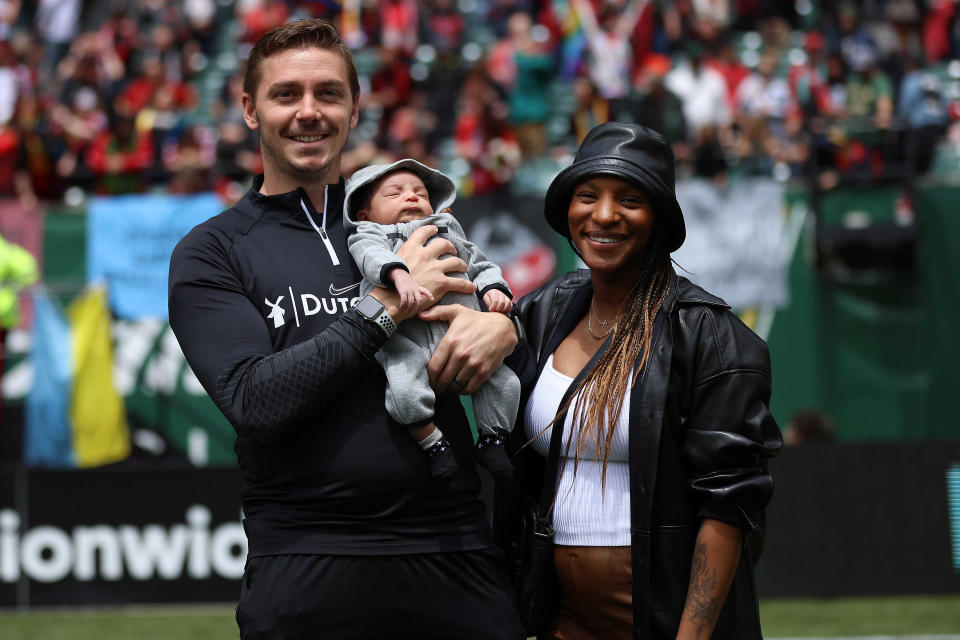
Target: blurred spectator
(90, 63)
(590, 109)
(938, 26)
(399, 23)
(40, 150)
(9, 12)
(704, 94)
(869, 91)
(763, 95)
(836, 86)
(710, 18)
(236, 159)
(729, 66)
(199, 15)
(411, 129)
(529, 91)
(763, 103)
(496, 13)
(152, 79)
(9, 160)
(608, 43)
(807, 426)
(226, 105)
(809, 88)
(259, 16)
(709, 154)
(121, 30)
(678, 24)
(922, 106)
(28, 67)
(18, 270)
(9, 85)
(57, 23)
(172, 52)
(483, 136)
(120, 156)
(78, 123)
(390, 89)
(189, 160)
(443, 26)
(653, 105)
(162, 121)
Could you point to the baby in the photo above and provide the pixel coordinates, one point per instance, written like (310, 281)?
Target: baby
(384, 204)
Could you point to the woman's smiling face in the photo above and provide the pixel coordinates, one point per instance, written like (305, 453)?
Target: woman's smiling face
(610, 224)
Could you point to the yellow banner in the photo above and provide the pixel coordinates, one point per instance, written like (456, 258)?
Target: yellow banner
(97, 413)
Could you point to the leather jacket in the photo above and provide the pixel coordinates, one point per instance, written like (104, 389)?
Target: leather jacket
(700, 435)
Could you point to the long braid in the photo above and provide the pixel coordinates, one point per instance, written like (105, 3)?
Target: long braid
(601, 393)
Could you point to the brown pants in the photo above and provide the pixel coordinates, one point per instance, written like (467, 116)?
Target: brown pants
(596, 596)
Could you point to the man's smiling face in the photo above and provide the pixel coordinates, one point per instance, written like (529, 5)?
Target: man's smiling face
(304, 112)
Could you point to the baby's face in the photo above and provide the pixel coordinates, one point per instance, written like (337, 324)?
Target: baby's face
(400, 197)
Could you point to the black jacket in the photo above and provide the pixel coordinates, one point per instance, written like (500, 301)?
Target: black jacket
(700, 435)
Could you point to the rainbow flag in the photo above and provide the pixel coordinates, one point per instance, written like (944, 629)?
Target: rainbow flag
(74, 415)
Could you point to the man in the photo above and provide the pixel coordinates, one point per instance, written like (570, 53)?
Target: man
(346, 529)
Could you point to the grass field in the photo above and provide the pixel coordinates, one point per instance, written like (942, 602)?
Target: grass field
(782, 618)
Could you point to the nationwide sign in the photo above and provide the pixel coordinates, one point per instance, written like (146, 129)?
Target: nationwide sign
(120, 535)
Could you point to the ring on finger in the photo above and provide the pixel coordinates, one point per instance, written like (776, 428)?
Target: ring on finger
(460, 382)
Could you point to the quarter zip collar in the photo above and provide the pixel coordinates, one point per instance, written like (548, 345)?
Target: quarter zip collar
(288, 204)
(296, 205)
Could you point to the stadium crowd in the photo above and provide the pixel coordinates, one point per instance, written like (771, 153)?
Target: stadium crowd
(123, 97)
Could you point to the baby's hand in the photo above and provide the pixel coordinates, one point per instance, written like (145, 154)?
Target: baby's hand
(498, 301)
(413, 297)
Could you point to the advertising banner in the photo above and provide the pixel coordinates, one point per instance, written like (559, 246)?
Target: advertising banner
(734, 247)
(92, 537)
(861, 519)
(129, 242)
(511, 232)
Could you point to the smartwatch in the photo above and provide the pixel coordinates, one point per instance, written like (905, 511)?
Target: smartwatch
(372, 310)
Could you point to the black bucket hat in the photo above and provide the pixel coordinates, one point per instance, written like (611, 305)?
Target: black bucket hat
(622, 150)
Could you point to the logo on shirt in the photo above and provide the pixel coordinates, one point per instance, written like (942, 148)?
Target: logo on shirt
(304, 305)
(334, 291)
(276, 312)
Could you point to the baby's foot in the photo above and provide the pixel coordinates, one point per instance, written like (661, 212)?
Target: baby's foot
(492, 454)
(443, 464)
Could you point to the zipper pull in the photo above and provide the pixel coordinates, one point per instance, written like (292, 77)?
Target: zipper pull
(329, 246)
(322, 231)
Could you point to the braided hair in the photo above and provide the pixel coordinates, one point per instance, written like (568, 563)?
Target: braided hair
(601, 392)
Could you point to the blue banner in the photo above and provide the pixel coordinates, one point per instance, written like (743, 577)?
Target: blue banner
(47, 440)
(129, 242)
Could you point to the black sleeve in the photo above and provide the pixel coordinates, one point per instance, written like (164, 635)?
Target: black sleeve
(225, 340)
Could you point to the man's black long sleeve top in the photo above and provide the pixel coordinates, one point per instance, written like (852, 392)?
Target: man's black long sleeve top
(261, 301)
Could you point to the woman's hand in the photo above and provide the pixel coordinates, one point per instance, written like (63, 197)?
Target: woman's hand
(474, 346)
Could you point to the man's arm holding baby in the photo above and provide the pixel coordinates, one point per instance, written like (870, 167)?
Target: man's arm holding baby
(475, 343)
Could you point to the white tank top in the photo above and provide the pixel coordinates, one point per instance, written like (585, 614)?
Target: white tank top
(584, 515)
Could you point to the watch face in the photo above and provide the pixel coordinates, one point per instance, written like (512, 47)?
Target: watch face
(369, 307)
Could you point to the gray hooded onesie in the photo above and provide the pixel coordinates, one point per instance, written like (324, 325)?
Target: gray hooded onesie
(404, 357)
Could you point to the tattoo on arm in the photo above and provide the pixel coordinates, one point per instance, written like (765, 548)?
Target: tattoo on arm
(703, 605)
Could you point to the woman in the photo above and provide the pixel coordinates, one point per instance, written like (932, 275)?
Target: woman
(663, 479)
